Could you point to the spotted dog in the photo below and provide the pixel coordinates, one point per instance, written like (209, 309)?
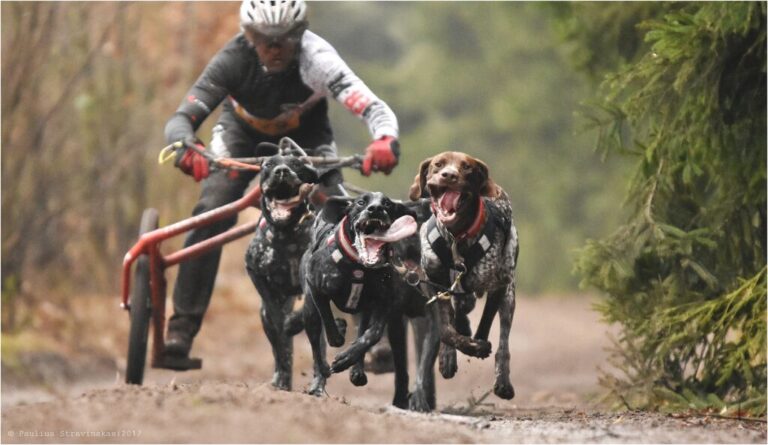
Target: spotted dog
(350, 264)
(469, 245)
(273, 256)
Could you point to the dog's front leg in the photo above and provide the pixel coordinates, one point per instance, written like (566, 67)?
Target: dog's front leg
(463, 306)
(313, 325)
(489, 313)
(449, 335)
(427, 333)
(503, 387)
(370, 337)
(397, 339)
(357, 372)
(274, 307)
(323, 305)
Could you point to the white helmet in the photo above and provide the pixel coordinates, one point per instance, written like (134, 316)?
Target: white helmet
(273, 17)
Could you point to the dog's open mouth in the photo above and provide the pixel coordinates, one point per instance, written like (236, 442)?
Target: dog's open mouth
(282, 198)
(281, 209)
(446, 205)
(373, 235)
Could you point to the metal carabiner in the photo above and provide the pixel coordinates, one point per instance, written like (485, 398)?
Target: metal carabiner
(412, 278)
(169, 152)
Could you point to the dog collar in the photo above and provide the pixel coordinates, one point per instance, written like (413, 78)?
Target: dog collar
(344, 244)
(267, 228)
(344, 249)
(477, 225)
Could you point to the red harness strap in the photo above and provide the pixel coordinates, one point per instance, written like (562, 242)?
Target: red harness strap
(345, 243)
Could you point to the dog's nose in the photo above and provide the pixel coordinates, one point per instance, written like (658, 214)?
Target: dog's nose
(375, 209)
(281, 170)
(449, 174)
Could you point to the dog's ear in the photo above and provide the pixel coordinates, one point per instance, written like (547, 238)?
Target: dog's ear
(420, 208)
(329, 177)
(419, 186)
(402, 209)
(267, 149)
(482, 180)
(335, 208)
(308, 174)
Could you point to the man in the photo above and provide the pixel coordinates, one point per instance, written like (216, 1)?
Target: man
(274, 78)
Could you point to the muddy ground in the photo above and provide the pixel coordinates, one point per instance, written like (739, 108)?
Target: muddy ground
(557, 345)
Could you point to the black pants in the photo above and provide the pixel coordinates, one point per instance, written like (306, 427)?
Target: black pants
(196, 278)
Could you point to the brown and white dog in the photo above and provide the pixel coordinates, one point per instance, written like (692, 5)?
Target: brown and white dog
(470, 243)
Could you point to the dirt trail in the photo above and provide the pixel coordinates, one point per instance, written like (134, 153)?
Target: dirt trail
(556, 346)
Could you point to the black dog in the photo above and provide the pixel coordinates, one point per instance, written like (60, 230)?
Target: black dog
(274, 254)
(470, 242)
(349, 263)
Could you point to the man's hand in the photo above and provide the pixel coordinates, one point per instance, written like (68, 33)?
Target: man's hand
(190, 161)
(381, 155)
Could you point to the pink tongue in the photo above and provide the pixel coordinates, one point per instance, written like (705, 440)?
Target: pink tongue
(372, 247)
(283, 209)
(450, 201)
(403, 227)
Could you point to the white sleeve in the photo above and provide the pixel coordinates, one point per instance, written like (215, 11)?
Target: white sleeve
(323, 70)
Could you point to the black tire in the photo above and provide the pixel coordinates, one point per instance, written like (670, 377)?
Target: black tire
(141, 308)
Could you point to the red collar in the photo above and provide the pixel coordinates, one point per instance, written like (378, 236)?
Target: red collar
(345, 244)
(477, 224)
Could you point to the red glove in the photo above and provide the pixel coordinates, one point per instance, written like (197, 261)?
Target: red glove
(191, 162)
(381, 155)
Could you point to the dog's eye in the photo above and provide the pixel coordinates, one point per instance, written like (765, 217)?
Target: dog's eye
(464, 165)
(439, 164)
(361, 202)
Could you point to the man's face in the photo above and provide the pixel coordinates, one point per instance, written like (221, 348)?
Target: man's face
(276, 53)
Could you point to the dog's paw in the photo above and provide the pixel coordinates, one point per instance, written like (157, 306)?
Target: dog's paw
(400, 400)
(357, 376)
(448, 363)
(504, 390)
(477, 348)
(417, 401)
(281, 381)
(317, 388)
(341, 325)
(317, 391)
(343, 361)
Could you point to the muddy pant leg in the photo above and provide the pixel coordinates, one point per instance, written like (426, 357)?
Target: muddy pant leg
(196, 277)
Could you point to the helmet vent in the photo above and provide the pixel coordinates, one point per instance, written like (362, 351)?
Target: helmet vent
(273, 16)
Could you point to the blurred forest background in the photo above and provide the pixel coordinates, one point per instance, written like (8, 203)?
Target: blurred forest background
(545, 93)
(88, 88)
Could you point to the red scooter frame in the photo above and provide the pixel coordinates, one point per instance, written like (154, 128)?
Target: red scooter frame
(149, 245)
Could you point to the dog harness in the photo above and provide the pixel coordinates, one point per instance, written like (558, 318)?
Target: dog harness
(484, 229)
